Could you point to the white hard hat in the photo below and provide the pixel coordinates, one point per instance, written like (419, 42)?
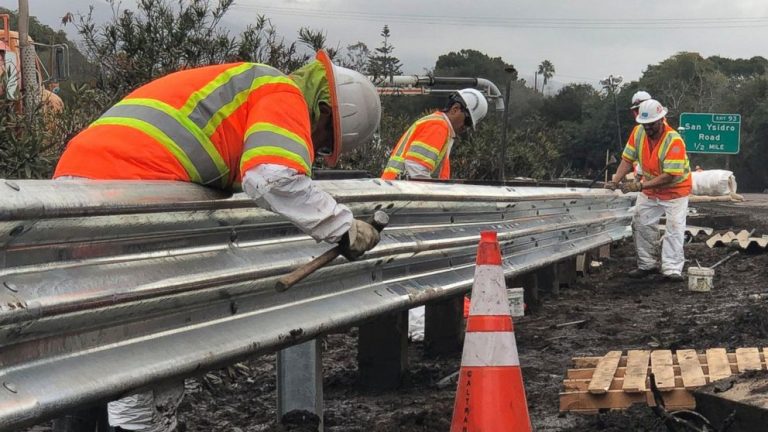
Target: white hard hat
(476, 104)
(638, 97)
(355, 105)
(650, 111)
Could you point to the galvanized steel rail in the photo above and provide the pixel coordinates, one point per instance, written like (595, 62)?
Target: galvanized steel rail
(109, 286)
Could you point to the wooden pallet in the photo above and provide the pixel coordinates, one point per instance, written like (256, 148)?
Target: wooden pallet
(617, 381)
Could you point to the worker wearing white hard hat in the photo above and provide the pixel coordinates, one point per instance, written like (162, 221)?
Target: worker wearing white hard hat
(423, 151)
(227, 125)
(664, 183)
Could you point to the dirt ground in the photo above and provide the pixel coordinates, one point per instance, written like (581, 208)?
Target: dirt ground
(620, 314)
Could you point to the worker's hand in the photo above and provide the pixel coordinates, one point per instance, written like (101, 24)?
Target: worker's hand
(612, 185)
(360, 238)
(632, 187)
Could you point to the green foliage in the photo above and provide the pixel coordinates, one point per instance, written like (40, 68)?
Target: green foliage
(547, 71)
(473, 63)
(383, 64)
(31, 142)
(155, 39)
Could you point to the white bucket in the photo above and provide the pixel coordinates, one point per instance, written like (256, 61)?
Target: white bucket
(516, 302)
(700, 278)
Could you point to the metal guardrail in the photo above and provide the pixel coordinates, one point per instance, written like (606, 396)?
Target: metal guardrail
(109, 286)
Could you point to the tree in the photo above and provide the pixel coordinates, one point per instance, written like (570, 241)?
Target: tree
(356, 57)
(547, 71)
(382, 64)
(316, 40)
(473, 63)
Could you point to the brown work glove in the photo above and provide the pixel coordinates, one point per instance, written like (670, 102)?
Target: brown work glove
(632, 187)
(612, 185)
(360, 238)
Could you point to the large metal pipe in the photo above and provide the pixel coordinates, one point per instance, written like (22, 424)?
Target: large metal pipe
(28, 61)
(491, 90)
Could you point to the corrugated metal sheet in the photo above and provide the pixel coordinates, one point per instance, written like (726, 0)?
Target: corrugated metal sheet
(109, 286)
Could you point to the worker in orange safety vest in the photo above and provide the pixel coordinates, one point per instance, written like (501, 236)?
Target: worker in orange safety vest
(664, 180)
(227, 126)
(423, 151)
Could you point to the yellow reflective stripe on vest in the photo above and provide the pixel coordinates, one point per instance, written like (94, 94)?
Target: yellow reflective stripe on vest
(202, 139)
(211, 105)
(274, 151)
(429, 161)
(201, 94)
(158, 136)
(423, 152)
(269, 136)
(240, 98)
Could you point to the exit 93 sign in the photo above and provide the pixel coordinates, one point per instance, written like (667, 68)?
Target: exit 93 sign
(711, 133)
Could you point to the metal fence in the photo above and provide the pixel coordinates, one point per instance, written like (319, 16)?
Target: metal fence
(109, 286)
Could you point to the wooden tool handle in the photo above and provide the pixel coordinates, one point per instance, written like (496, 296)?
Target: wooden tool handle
(379, 221)
(300, 273)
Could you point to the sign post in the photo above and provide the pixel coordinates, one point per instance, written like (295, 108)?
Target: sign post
(711, 133)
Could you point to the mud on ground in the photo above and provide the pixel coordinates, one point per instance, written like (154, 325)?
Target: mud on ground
(620, 314)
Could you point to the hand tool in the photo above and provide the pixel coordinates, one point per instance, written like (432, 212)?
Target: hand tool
(379, 221)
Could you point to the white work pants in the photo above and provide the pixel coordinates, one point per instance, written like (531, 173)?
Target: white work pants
(149, 410)
(648, 212)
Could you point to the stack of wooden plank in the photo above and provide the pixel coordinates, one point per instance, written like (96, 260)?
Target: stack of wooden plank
(617, 381)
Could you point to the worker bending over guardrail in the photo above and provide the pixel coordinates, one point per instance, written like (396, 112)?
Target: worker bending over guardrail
(228, 125)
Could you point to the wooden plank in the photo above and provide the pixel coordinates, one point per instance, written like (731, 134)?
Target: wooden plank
(719, 366)
(603, 374)
(590, 362)
(675, 399)
(621, 371)
(748, 359)
(661, 366)
(637, 371)
(617, 384)
(690, 368)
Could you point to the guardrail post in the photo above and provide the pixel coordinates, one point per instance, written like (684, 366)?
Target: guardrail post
(604, 251)
(444, 327)
(567, 272)
(300, 381)
(382, 353)
(549, 279)
(87, 419)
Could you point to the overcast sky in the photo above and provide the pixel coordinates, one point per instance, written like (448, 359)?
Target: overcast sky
(586, 40)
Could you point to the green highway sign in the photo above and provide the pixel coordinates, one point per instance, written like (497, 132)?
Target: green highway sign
(711, 133)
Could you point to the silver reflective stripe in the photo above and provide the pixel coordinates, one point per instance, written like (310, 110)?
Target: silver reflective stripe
(271, 139)
(639, 138)
(226, 93)
(176, 132)
(396, 164)
(431, 155)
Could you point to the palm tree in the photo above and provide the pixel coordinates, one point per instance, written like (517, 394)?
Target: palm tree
(547, 70)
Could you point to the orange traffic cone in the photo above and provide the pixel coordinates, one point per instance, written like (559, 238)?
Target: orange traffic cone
(491, 396)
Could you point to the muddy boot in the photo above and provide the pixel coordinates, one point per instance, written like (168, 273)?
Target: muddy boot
(674, 277)
(639, 273)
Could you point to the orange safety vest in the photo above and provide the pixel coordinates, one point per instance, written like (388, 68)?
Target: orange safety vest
(427, 142)
(205, 125)
(667, 156)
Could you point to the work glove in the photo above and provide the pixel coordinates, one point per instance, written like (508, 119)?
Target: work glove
(632, 187)
(612, 185)
(360, 238)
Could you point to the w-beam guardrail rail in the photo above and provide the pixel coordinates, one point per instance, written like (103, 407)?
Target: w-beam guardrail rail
(106, 287)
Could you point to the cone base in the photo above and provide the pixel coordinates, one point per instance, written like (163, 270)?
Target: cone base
(490, 399)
